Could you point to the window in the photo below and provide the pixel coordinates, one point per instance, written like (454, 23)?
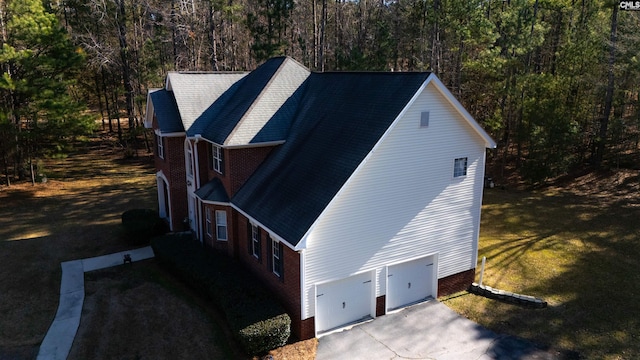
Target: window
(255, 241)
(208, 222)
(424, 119)
(216, 158)
(160, 146)
(276, 260)
(221, 225)
(460, 167)
(189, 161)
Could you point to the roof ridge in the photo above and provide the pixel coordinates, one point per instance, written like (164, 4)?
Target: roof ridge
(265, 91)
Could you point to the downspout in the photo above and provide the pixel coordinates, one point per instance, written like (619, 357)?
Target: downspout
(302, 289)
(196, 165)
(197, 160)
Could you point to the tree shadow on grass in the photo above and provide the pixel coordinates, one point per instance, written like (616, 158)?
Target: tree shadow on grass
(581, 254)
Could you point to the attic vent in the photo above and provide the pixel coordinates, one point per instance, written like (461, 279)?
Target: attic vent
(424, 119)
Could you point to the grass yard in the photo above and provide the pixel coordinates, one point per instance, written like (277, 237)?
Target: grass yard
(576, 246)
(130, 312)
(75, 214)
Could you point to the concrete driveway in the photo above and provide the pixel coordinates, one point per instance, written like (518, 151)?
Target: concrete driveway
(425, 331)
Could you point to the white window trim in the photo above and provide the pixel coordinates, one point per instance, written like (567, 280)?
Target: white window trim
(275, 259)
(460, 172)
(208, 226)
(219, 224)
(160, 146)
(255, 241)
(189, 159)
(216, 158)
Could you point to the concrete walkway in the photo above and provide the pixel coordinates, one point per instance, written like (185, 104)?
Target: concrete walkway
(57, 343)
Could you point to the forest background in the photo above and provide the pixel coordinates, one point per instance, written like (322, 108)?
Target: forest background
(555, 82)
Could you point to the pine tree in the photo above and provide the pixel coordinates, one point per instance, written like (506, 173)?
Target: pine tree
(39, 63)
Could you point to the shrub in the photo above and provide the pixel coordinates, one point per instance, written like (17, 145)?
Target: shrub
(141, 225)
(257, 320)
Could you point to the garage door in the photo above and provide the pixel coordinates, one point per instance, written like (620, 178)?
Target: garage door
(344, 301)
(410, 282)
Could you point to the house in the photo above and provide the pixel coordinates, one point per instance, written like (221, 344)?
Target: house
(350, 194)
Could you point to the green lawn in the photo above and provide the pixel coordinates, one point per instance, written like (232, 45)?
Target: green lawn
(576, 248)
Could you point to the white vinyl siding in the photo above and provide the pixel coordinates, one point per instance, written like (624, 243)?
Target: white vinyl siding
(401, 203)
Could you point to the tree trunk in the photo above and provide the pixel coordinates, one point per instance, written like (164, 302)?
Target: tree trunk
(105, 92)
(126, 67)
(608, 100)
(214, 39)
(323, 25)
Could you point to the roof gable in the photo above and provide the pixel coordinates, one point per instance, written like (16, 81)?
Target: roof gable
(340, 118)
(239, 116)
(195, 92)
(433, 80)
(166, 111)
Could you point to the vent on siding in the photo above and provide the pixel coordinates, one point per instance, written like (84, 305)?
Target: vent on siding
(424, 119)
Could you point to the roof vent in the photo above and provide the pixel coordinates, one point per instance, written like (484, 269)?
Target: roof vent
(424, 119)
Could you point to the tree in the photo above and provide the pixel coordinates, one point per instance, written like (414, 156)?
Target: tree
(268, 25)
(39, 64)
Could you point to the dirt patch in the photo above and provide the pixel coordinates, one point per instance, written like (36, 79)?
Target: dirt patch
(302, 350)
(605, 186)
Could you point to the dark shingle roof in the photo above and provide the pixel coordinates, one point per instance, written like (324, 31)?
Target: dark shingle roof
(340, 117)
(219, 120)
(213, 191)
(166, 110)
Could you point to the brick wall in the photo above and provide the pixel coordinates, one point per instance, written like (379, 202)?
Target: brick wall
(203, 161)
(381, 305)
(456, 282)
(240, 164)
(306, 329)
(287, 288)
(211, 240)
(173, 168)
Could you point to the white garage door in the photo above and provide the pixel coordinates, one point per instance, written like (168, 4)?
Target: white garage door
(410, 282)
(343, 301)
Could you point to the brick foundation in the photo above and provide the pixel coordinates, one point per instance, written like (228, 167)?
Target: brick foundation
(456, 282)
(304, 329)
(381, 302)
